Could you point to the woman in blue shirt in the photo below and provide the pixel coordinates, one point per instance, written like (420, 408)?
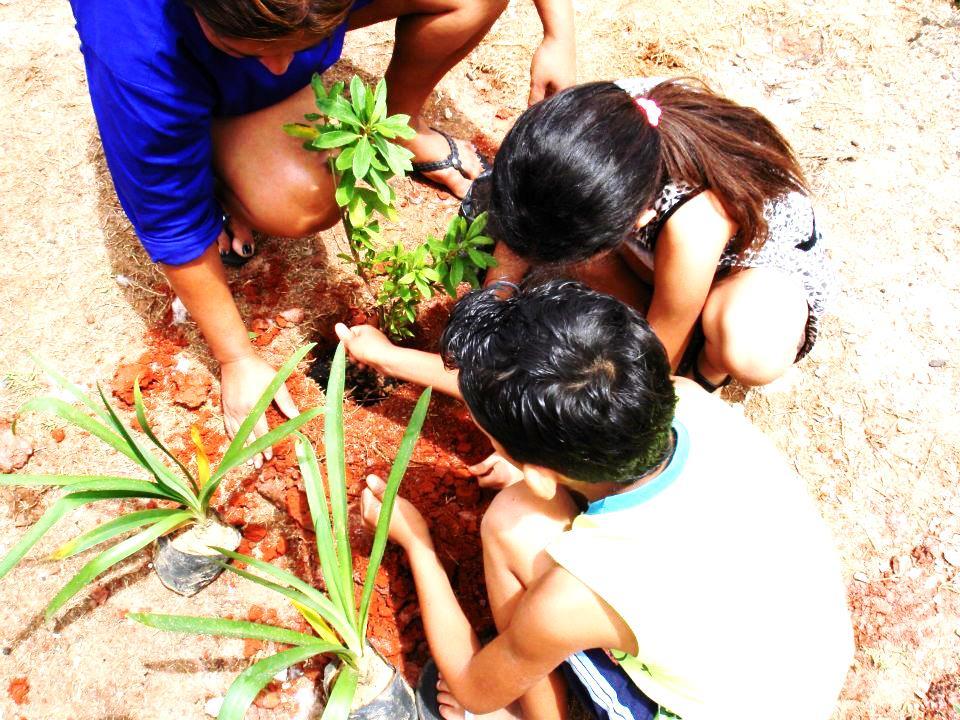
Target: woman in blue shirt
(189, 97)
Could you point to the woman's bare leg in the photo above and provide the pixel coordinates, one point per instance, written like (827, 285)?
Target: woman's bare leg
(753, 321)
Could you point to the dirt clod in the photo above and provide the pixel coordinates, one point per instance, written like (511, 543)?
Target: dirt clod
(15, 450)
(18, 689)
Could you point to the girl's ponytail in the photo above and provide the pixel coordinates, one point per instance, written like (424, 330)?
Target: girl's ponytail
(709, 141)
(576, 171)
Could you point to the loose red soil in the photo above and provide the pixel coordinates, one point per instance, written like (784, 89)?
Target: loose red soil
(18, 689)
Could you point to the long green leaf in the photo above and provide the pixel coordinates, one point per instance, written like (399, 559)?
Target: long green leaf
(64, 480)
(110, 557)
(266, 440)
(70, 387)
(145, 426)
(321, 605)
(53, 514)
(72, 415)
(341, 696)
(229, 628)
(252, 680)
(150, 462)
(303, 593)
(334, 139)
(108, 530)
(317, 500)
(246, 427)
(358, 96)
(337, 473)
(397, 471)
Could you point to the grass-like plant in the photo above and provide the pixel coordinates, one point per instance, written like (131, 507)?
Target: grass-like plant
(340, 625)
(168, 478)
(363, 161)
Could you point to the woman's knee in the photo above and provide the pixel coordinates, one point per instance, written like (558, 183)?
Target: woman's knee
(299, 202)
(753, 330)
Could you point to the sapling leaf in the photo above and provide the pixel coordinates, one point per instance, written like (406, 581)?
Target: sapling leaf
(299, 130)
(252, 680)
(334, 139)
(377, 165)
(456, 271)
(430, 274)
(383, 190)
(110, 557)
(476, 258)
(203, 462)
(397, 471)
(362, 155)
(319, 91)
(219, 627)
(423, 288)
(379, 102)
(358, 98)
(341, 695)
(357, 209)
(344, 160)
(345, 189)
(339, 109)
(477, 226)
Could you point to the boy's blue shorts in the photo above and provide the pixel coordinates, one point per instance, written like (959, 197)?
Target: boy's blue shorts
(605, 689)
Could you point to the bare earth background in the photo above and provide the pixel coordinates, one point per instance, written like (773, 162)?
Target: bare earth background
(869, 93)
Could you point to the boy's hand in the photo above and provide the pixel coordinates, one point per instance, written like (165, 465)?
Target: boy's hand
(496, 472)
(407, 526)
(366, 345)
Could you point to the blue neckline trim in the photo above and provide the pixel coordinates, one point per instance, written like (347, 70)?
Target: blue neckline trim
(661, 482)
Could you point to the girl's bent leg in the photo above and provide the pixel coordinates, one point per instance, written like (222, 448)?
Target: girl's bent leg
(515, 531)
(270, 182)
(754, 321)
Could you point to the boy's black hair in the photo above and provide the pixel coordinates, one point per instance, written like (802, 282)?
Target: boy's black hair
(563, 377)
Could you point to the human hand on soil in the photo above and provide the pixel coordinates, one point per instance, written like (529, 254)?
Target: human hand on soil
(366, 345)
(407, 525)
(496, 472)
(553, 68)
(242, 382)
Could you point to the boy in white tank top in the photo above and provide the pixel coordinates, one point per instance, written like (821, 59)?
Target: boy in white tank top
(639, 558)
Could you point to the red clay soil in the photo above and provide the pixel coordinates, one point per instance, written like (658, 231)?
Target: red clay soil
(437, 482)
(18, 689)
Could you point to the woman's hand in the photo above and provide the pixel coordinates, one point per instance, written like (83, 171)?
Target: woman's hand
(553, 68)
(496, 472)
(242, 382)
(366, 345)
(407, 526)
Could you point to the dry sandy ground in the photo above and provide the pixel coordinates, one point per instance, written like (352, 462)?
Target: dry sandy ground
(869, 92)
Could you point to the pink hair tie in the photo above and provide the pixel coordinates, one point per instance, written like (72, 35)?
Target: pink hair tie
(650, 109)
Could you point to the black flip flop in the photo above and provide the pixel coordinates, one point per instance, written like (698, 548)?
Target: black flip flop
(233, 258)
(450, 161)
(427, 704)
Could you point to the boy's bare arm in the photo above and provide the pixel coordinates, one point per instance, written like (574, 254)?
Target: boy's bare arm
(556, 618)
(367, 345)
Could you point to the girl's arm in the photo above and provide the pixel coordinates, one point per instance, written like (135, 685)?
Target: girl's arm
(685, 262)
(366, 345)
(554, 65)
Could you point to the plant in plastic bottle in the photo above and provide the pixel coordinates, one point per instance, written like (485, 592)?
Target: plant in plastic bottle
(166, 478)
(339, 624)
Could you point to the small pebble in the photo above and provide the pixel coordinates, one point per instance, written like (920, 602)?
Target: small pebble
(937, 363)
(212, 706)
(447, 113)
(6, 651)
(860, 577)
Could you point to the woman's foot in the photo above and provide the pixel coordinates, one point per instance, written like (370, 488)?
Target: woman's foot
(450, 709)
(430, 146)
